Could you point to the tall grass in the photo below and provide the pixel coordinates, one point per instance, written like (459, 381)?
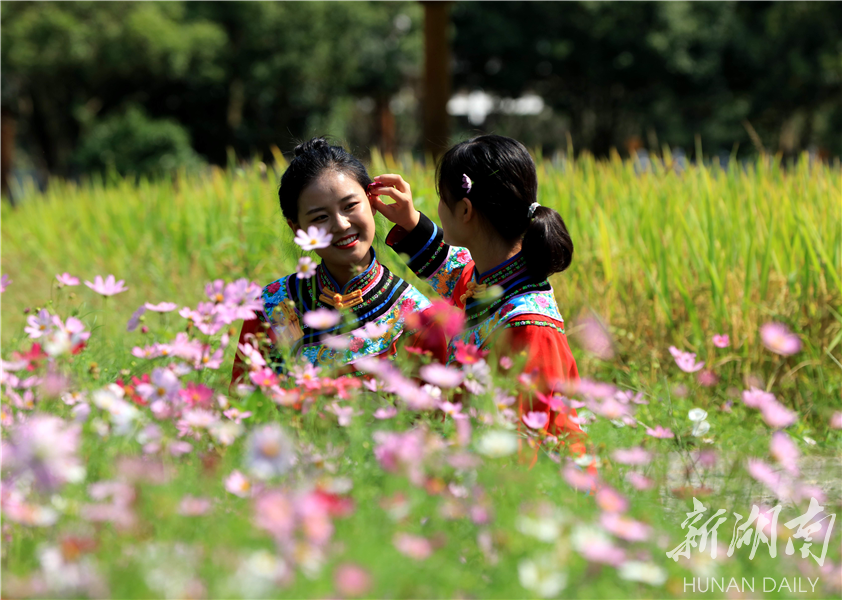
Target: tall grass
(666, 256)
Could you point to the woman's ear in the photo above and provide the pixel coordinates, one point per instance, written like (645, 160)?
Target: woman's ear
(293, 226)
(467, 211)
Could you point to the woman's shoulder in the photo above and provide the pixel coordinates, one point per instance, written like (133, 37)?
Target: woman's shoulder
(538, 306)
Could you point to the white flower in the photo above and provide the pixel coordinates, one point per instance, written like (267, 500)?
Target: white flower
(497, 444)
(700, 428)
(646, 572)
(306, 268)
(313, 239)
(322, 318)
(697, 414)
(541, 576)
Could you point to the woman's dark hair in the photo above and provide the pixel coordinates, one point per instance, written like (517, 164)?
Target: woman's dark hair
(504, 185)
(312, 158)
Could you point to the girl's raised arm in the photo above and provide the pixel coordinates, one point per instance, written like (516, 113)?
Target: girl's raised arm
(415, 235)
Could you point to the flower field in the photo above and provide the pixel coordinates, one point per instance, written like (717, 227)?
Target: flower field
(703, 309)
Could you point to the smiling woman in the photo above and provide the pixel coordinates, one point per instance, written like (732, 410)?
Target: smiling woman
(323, 198)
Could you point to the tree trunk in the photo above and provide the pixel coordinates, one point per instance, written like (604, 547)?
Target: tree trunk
(437, 79)
(385, 125)
(7, 150)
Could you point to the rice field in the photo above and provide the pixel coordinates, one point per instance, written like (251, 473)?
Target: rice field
(115, 500)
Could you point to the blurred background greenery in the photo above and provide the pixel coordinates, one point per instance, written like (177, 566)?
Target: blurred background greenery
(148, 87)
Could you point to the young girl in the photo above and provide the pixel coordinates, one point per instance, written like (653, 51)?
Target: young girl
(492, 256)
(325, 187)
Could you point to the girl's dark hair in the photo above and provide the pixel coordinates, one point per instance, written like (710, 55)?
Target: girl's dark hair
(504, 185)
(312, 158)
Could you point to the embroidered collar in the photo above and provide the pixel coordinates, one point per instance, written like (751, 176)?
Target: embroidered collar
(512, 277)
(505, 271)
(361, 282)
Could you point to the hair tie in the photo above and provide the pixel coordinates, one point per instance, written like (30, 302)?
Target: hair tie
(532, 207)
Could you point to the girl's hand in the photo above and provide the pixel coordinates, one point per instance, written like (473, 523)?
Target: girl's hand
(402, 212)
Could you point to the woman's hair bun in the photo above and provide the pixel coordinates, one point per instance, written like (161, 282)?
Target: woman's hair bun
(311, 145)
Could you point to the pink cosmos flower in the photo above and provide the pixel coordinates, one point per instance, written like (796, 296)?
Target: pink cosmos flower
(413, 546)
(373, 331)
(442, 376)
(444, 314)
(721, 340)
(308, 375)
(610, 500)
(236, 415)
(777, 415)
(467, 184)
(785, 452)
(385, 412)
(251, 355)
(4, 283)
(660, 432)
(109, 287)
(191, 506)
(536, 420)
(836, 420)
(161, 307)
(46, 447)
(264, 378)
(506, 362)
(578, 478)
(274, 512)
(322, 318)
(450, 408)
(468, 354)
(755, 398)
(238, 484)
(313, 239)
(686, 361)
(625, 528)
(707, 378)
(344, 414)
(67, 279)
(180, 447)
(163, 385)
(632, 456)
(593, 336)
(638, 481)
(779, 339)
(351, 580)
(603, 551)
(196, 395)
(39, 325)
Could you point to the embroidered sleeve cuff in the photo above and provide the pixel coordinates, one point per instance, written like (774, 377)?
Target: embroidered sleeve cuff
(421, 244)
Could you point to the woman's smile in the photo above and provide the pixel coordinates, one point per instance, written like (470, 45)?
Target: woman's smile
(348, 241)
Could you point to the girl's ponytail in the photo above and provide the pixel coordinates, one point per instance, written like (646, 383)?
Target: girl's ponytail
(547, 246)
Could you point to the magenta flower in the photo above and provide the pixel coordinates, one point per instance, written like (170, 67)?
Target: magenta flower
(686, 361)
(264, 377)
(442, 376)
(536, 420)
(4, 283)
(721, 340)
(161, 307)
(196, 395)
(660, 432)
(779, 339)
(109, 287)
(467, 184)
(67, 279)
(313, 239)
(322, 318)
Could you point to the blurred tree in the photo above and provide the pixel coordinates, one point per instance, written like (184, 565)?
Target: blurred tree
(132, 143)
(671, 69)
